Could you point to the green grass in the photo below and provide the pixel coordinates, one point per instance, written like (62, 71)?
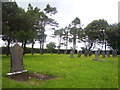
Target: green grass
(72, 72)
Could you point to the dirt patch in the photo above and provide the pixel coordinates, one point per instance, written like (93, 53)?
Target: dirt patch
(26, 76)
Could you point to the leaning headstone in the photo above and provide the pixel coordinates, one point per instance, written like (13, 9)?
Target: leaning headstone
(114, 53)
(108, 54)
(79, 53)
(16, 60)
(71, 54)
(103, 54)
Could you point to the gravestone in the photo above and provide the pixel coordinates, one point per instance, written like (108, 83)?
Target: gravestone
(98, 52)
(103, 54)
(16, 58)
(71, 54)
(108, 54)
(79, 53)
(96, 55)
(114, 53)
(86, 53)
(90, 53)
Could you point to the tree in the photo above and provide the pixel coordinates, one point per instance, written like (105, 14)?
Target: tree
(66, 37)
(43, 21)
(74, 29)
(59, 33)
(33, 14)
(93, 33)
(113, 36)
(51, 47)
(9, 12)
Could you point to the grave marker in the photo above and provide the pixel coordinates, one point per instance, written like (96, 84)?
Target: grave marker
(103, 54)
(71, 54)
(16, 58)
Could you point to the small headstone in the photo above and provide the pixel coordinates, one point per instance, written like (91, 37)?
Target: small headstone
(86, 53)
(108, 54)
(96, 55)
(103, 54)
(71, 54)
(79, 53)
(114, 53)
(98, 52)
(16, 60)
(90, 53)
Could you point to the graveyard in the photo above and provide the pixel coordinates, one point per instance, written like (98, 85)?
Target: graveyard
(66, 72)
(43, 46)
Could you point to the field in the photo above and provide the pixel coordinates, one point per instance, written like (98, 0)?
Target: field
(71, 72)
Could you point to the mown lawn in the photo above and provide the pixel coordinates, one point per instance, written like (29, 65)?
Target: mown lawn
(72, 73)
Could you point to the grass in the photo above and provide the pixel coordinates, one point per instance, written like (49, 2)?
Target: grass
(72, 72)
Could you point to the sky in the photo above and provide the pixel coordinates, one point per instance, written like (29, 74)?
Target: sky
(68, 10)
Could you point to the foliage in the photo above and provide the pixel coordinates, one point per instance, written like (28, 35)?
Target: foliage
(51, 47)
(93, 33)
(113, 36)
(75, 28)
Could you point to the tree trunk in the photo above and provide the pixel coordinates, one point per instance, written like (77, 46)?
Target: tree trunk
(24, 47)
(32, 48)
(90, 46)
(40, 47)
(74, 45)
(22, 44)
(58, 51)
(8, 48)
(66, 47)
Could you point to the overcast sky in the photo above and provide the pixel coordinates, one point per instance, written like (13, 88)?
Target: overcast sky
(86, 10)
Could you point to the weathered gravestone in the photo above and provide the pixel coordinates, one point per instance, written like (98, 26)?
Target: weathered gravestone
(108, 54)
(16, 60)
(71, 54)
(79, 53)
(90, 53)
(103, 54)
(96, 55)
(114, 53)
(86, 53)
(98, 52)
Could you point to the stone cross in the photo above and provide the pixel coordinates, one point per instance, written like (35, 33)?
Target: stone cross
(16, 58)
(71, 54)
